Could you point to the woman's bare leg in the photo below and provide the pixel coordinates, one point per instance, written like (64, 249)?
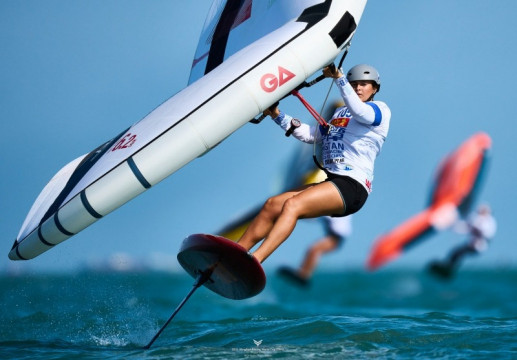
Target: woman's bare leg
(318, 200)
(264, 221)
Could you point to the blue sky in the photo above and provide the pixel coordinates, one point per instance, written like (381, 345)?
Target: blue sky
(73, 74)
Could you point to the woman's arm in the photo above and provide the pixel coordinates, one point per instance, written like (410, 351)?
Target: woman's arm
(304, 132)
(364, 112)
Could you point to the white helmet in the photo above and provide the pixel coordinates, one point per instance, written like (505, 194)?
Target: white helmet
(364, 72)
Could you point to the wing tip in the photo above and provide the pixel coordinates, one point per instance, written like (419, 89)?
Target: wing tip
(380, 258)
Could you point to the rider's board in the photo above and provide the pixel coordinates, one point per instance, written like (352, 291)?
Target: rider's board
(234, 273)
(221, 265)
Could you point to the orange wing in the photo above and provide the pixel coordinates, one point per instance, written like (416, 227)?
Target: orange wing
(458, 178)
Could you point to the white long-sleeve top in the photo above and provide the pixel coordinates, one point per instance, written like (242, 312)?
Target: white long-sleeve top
(354, 137)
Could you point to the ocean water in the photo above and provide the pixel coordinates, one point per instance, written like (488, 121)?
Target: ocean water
(390, 314)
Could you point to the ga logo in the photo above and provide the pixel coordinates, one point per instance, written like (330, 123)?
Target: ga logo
(270, 82)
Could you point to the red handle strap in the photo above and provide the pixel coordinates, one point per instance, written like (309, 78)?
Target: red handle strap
(313, 112)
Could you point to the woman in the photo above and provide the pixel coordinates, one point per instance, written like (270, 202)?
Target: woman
(350, 143)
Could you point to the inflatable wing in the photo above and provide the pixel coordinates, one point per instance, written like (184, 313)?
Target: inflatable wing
(457, 181)
(232, 81)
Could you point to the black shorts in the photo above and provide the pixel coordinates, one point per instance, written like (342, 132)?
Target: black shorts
(354, 194)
